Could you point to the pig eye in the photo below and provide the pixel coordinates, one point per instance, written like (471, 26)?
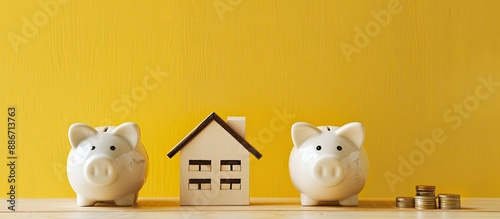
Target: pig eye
(339, 148)
(112, 148)
(92, 148)
(318, 148)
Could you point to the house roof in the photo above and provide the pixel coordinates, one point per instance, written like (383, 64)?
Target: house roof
(213, 117)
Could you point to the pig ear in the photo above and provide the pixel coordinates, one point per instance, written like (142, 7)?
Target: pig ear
(301, 131)
(79, 132)
(353, 131)
(130, 132)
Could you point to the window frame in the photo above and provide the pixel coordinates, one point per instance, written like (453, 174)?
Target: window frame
(232, 164)
(200, 164)
(231, 182)
(200, 182)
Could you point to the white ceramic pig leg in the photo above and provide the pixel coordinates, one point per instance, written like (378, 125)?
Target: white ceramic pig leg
(351, 201)
(126, 201)
(84, 202)
(306, 200)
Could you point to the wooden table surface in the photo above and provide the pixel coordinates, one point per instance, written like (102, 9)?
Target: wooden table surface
(259, 208)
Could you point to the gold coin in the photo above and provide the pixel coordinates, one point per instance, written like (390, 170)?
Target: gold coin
(425, 188)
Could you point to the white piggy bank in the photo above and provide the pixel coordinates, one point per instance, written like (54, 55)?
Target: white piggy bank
(106, 163)
(328, 163)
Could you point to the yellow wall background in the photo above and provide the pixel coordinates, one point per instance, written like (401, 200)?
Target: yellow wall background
(167, 64)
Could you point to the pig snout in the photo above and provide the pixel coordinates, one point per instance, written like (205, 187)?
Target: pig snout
(100, 170)
(328, 170)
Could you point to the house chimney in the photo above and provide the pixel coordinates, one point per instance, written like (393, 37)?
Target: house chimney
(237, 124)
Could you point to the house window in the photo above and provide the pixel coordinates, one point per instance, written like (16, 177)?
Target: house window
(230, 184)
(200, 165)
(199, 184)
(230, 165)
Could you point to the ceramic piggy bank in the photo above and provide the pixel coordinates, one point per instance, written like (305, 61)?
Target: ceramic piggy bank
(106, 163)
(328, 163)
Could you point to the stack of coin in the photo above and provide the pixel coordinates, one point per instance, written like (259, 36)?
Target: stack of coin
(405, 202)
(426, 197)
(425, 202)
(449, 201)
(423, 190)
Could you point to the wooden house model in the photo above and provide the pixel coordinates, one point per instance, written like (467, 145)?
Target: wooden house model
(214, 163)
